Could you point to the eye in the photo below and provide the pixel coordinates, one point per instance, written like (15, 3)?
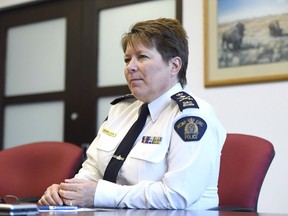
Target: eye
(143, 57)
(127, 60)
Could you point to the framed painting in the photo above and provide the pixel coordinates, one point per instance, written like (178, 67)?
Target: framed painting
(246, 41)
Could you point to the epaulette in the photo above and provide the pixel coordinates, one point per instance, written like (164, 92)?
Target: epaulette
(184, 100)
(124, 97)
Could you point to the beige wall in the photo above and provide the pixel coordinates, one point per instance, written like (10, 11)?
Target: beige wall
(257, 109)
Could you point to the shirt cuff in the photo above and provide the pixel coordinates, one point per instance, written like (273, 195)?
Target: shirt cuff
(105, 194)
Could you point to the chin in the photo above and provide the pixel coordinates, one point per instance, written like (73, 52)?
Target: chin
(138, 95)
(135, 91)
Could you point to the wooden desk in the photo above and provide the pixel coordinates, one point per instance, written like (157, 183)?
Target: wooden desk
(138, 212)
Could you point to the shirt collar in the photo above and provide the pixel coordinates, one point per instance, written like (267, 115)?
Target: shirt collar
(157, 106)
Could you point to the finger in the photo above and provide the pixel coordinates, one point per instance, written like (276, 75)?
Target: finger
(70, 202)
(50, 200)
(68, 194)
(69, 186)
(44, 200)
(57, 199)
(54, 196)
(51, 196)
(41, 201)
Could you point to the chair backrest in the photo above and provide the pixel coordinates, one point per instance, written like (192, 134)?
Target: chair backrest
(245, 161)
(27, 170)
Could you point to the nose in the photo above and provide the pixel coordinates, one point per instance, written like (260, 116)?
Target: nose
(132, 66)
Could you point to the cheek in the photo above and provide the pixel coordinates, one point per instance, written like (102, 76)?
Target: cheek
(156, 74)
(126, 73)
(159, 73)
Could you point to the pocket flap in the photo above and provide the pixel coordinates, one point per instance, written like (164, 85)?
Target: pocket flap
(149, 152)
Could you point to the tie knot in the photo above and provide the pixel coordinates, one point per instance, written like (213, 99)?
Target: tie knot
(144, 110)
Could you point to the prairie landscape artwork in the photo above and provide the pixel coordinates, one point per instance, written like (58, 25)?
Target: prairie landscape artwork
(245, 41)
(252, 32)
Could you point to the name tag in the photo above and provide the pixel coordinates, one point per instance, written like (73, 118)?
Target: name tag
(109, 132)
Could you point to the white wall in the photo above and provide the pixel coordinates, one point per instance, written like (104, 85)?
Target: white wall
(257, 109)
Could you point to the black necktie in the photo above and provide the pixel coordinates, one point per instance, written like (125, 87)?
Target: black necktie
(125, 146)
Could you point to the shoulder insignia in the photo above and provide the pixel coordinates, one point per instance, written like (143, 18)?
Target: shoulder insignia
(124, 97)
(184, 100)
(190, 128)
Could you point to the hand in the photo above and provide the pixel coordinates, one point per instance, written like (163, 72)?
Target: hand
(51, 196)
(78, 192)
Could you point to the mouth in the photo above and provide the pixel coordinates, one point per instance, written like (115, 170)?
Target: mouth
(135, 80)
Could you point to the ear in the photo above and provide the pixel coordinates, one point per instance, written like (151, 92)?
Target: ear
(176, 64)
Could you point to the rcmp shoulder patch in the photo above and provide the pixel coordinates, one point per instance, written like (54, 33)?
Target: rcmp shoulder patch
(190, 128)
(124, 97)
(184, 100)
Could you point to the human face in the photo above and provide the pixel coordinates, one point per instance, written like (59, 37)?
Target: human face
(147, 74)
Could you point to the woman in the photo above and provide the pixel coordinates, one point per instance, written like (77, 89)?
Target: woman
(174, 163)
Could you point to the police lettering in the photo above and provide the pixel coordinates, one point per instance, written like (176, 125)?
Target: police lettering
(190, 136)
(199, 123)
(181, 124)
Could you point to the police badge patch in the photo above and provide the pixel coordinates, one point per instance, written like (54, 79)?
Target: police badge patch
(190, 128)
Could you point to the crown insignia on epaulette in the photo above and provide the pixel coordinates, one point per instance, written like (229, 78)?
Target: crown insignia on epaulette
(184, 100)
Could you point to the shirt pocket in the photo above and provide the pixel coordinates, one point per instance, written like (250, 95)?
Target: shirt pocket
(153, 153)
(107, 143)
(106, 147)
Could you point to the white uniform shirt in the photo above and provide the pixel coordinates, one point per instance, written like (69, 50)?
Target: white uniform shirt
(162, 171)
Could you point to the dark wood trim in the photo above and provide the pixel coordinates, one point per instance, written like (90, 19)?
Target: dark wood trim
(21, 5)
(179, 7)
(110, 91)
(2, 79)
(21, 99)
(74, 78)
(105, 4)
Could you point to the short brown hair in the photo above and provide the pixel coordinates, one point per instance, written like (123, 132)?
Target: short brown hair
(166, 35)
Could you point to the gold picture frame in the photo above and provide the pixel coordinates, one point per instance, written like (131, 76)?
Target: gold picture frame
(252, 54)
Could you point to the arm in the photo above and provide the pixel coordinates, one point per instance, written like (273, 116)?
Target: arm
(83, 185)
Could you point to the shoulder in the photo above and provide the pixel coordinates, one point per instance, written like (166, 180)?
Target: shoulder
(123, 98)
(121, 104)
(184, 100)
(188, 103)
(193, 118)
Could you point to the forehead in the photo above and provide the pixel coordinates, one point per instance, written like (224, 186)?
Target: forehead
(139, 46)
(136, 40)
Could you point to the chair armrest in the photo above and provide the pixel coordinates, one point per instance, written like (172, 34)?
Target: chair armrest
(33, 199)
(232, 208)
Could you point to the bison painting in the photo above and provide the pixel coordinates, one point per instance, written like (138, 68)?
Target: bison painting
(232, 38)
(275, 29)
